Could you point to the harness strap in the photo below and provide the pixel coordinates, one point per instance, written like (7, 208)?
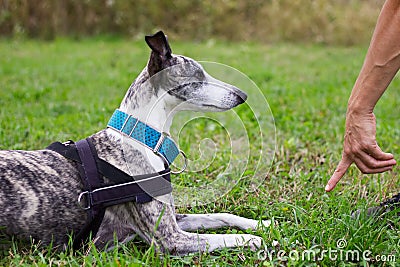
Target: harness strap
(141, 190)
(123, 187)
(69, 151)
(91, 179)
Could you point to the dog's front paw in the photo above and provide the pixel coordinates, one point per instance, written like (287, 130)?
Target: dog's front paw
(264, 223)
(254, 242)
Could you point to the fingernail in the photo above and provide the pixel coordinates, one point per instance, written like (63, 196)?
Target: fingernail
(327, 187)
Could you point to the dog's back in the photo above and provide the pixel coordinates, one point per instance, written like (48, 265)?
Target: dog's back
(36, 198)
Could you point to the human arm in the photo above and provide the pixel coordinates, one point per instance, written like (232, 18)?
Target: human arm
(380, 66)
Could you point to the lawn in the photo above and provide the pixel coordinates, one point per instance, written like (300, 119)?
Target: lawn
(68, 89)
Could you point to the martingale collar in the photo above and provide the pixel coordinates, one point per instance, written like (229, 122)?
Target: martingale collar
(158, 142)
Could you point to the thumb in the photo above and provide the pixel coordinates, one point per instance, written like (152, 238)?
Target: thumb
(377, 153)
(341, 169)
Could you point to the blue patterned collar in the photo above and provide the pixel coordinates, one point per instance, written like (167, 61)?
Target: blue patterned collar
(158, 142)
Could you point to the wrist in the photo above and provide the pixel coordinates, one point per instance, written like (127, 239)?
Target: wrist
(362, 99)
(359, 107)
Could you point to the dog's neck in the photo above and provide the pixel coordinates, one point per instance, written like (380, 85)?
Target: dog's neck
(153, 113)
(147, 105)
(143, 103)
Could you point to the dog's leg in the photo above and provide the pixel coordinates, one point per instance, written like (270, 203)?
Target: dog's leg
(182, 243)
(193, 222)
(220, 241)
(155, 222)
(170, 237)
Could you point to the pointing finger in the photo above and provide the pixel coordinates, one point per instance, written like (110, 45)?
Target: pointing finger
(341, 169)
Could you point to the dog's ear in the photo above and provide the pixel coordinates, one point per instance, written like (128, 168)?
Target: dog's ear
(159, 44)
(160, 52)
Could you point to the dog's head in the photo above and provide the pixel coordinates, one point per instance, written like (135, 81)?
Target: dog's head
(184, 80)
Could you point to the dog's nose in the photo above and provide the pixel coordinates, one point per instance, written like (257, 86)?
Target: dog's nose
(242, 95)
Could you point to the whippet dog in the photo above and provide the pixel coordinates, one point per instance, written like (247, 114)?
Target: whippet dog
(39, 189)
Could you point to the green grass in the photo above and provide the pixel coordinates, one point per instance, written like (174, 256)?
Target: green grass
(68, 89)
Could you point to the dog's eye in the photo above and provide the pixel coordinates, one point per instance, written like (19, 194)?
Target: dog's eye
(199, 75)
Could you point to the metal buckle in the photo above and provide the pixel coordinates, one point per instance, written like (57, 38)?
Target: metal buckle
(68, 143)
(159, 142)
(125, 122)
(184, 165)
(80, 198)
(134, 126)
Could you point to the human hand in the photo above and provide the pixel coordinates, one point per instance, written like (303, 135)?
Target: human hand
(360, 147)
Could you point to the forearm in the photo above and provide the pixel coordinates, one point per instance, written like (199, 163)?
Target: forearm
(380, 66)
(382, 60)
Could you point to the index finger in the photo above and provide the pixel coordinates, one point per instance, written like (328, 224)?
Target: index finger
(341, 169)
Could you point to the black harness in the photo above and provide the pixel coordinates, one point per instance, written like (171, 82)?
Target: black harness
(97, 195)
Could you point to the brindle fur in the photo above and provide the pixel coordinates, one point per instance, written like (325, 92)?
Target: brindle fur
(39, 189)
